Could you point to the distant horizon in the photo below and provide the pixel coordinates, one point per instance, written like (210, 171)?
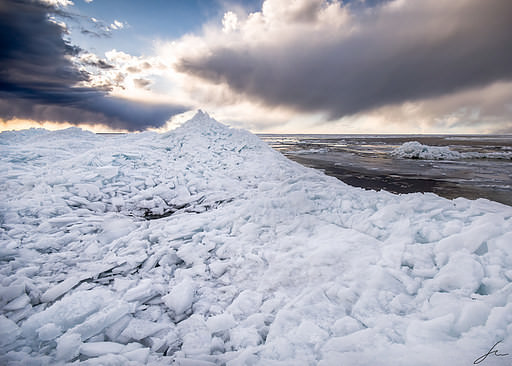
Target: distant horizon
(58, 127)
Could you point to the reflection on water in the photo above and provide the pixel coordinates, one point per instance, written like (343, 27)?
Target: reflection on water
(365, 161)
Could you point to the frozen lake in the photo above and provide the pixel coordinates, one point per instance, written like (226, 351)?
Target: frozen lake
(483, 169)
(204, 246)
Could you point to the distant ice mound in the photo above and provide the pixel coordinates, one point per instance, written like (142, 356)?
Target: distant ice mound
(416, 150)
(203, 246)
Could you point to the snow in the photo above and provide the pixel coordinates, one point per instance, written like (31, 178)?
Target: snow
(416, 150)
(203, 246)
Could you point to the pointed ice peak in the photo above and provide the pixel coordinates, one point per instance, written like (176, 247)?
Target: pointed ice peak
(203, 130)
(200, 113)
(201, 116)
(202, 123)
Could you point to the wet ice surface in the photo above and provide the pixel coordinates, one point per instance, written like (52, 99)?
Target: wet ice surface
(204, 246)
(451, 166)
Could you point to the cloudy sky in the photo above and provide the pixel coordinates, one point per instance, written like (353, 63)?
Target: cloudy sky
(295, 66)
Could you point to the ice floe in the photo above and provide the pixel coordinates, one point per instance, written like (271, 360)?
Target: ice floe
(203, 246)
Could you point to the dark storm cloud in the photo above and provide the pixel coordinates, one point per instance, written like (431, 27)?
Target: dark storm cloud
(101, 64)
(421, 49)
(37, 78)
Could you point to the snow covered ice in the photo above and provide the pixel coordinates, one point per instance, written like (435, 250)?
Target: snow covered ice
(203, 246)
(416, 150)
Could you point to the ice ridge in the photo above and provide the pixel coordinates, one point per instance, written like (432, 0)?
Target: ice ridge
(203, 246)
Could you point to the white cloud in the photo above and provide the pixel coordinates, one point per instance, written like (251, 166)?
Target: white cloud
(60, 23)
(57, 3)
(126, 76)
(229, 22)
(116, 25)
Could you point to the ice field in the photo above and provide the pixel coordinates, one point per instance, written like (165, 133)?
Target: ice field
(203, 246)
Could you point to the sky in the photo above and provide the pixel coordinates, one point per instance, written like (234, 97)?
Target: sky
(275, 66)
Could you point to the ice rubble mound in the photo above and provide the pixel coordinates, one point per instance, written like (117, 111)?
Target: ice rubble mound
(203, 246)
(416, 150)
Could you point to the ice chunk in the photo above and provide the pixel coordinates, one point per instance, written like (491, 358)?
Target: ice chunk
(346, 325)
(18, 303)
(89, 191)
(218, 268)
(180, 297)
(143, 291)
(11, 292)
(431, 331)
(473, 313)
(462, 272)
(108, 172)
(115, 228)
(113, 332)
(244, 337)
(97, 322)
(48, 332)
(219, 323)
(138, 329)
(67, 312)
(354, 342)
(247, 302)
(138, 355)
(95, 349)
(470, 239)
(68, 346)
(195, 335)
(179, 361)
(57, 291)
(9, 331)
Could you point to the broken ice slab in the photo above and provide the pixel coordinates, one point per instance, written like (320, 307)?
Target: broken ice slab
(138, 329)
(9, 331)
(95, 349)
(11, 292)
(53, 293)
(144, 291)
(7, 254)
(48, 332)
(181, 296)
(113, 332)
(68, 346)
(69, 311)
(18, 303)
(191, 362)
(97, 322)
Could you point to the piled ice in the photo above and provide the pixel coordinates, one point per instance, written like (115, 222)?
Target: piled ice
(416, 150)
(321, 150)
(203, 246)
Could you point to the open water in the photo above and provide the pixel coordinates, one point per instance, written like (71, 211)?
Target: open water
(366, 161)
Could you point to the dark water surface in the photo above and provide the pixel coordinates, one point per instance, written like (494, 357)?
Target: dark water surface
(366, 161)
